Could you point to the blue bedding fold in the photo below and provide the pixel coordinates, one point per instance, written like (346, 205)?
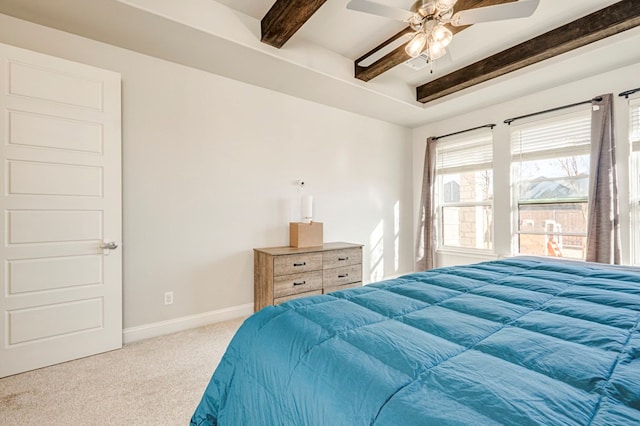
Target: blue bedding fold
(517, 341)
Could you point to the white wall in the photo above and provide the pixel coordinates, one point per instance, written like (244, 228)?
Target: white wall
(614, 82)
(209, 170)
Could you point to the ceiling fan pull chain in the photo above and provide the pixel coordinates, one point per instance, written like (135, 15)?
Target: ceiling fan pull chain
(428, 57)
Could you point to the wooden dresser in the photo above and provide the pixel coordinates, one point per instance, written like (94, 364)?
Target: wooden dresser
(285, 273)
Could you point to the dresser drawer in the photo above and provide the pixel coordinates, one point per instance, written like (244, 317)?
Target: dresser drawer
(286, 285)
(344, 257)
(340, 276)
(296, 263)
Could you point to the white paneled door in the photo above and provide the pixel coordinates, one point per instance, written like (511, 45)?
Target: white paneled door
(60, 153)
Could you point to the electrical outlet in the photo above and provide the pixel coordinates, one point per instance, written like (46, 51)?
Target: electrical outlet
(168, 298)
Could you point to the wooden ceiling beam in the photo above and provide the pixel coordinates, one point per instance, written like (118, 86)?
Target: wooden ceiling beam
(606, 22)
(388, 61)
(398, 55)
(285, 18)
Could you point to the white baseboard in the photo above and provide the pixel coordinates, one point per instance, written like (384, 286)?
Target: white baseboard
(155, 329)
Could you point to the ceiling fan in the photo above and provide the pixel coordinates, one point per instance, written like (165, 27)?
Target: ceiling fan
(428, 18)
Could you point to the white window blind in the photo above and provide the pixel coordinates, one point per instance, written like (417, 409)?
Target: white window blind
(457, 156)
(464, 191)
(550, 177)
(569, 135)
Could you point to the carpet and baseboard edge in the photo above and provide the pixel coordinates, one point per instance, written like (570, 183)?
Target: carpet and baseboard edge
(133, 334)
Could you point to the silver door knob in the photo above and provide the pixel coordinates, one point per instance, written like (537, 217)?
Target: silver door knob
(111, 245)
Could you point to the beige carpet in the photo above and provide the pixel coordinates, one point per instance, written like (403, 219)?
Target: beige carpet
(156, 381)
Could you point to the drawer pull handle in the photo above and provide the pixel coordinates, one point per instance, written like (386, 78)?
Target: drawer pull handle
(343, 276)
(300, 264)
(343, 258)
(299, 283)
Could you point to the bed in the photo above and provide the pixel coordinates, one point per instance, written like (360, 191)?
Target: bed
(516, 341)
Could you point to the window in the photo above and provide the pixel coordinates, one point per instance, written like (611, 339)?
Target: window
(550, 169)
(464, 192)
(634, 136)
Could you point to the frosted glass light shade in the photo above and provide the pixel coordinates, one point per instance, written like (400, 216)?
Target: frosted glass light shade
(416, 23)
(416, 45)
(443, 5)
(427, 8)
(436, 51)
(441, 35)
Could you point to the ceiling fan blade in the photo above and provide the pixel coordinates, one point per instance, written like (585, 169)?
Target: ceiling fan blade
(520, 9)
(374, 8)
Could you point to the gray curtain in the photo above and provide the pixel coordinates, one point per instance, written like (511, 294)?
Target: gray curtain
(426, 239)
(603, 227)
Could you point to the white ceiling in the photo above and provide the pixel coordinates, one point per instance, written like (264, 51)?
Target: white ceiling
(223, 36)
(352, 34)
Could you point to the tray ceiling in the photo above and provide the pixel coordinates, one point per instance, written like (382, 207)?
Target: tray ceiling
(317, 62)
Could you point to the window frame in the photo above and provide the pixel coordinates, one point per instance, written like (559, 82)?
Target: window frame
(634, 178)
(482, 139)
(557, 152)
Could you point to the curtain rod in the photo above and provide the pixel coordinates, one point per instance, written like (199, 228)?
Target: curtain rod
(511, 120)
(628, 93)
(490, 126)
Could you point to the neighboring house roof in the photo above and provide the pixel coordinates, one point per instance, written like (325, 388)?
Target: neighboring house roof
(544, 188)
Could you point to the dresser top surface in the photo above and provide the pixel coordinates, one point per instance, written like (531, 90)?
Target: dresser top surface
(278, 251)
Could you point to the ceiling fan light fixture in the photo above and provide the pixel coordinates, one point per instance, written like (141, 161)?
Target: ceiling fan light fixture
(445, 5)
(441, 35)
(416, 23)
(436, 51)
(416, 45)
(446, 15)
(424, 7)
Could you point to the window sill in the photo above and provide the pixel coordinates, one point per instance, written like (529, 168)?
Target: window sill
(479, 253)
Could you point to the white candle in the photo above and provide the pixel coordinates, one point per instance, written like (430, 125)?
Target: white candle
(307, 208)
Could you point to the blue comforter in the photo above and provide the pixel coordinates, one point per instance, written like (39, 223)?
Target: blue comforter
(518, 341)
